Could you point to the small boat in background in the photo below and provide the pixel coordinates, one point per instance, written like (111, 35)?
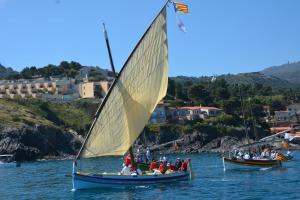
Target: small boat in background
(8, 160)
(232, 163)
(260, 154)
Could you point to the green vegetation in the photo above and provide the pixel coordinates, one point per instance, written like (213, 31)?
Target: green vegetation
(243, 104)
(64, 69)
(76, 115)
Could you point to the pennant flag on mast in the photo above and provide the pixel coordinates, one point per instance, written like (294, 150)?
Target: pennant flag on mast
(180, 7)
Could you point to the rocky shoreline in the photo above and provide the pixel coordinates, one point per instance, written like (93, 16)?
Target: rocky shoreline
(43, 142)
(29, 143)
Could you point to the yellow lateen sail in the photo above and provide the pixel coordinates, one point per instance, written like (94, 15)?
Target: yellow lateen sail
(141, 84)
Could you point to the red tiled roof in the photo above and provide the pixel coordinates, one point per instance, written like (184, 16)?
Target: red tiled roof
(211, 108)
(197, 108)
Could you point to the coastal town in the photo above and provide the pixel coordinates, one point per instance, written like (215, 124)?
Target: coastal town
(64, 90)
(196, 100)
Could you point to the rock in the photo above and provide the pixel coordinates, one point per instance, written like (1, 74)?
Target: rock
(220, 144)
(37, 142)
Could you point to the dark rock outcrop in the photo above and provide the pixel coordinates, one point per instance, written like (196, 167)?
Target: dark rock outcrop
(38, 142)
(220, 144)
(195, 142)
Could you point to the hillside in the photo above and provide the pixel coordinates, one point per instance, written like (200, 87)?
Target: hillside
(289, 72)
(256, 77)
(242, 78)
(19, 112)
(31, 129)
(6, 71)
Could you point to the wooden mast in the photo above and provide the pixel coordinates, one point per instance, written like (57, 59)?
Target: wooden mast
(109, 51)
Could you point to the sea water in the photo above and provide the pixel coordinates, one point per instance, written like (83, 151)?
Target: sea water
(52, 180)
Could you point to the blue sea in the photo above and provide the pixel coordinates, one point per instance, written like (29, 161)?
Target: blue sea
(52, 180)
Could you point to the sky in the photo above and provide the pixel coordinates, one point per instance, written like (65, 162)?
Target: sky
(223, 36)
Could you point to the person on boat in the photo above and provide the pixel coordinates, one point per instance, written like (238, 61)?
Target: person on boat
(273, 154)
(263, 154)
(178, 163)
(184, 165)
(153, 165)
(246, 156)
(148, 155)
(240, 155)
(164, 159)
(163, 167)
(134, 170)
(127, 160)
(125, 170)
(139, 158)
(172, 168)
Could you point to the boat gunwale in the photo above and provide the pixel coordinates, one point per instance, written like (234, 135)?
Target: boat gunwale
(249, 162)
(132, 178)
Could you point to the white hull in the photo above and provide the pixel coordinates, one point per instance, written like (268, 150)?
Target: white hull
(11, 164)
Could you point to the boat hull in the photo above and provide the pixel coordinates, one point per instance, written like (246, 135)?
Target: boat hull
(87, 181)
(10, 164)
(249, 164)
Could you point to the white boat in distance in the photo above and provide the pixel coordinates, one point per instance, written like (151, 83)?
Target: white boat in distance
(7, 160)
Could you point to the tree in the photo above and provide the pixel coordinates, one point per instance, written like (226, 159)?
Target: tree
(180, 92)
(198, 92)
(232, 106)
(171, 87)
(220, 89)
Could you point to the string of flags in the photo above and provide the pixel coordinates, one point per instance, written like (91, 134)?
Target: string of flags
(180, 8)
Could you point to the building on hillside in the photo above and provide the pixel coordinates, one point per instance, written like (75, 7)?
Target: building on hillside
(282, 116)
(294, 109)
(93, 89)
(159, 116)
(211, 111)
(32, 88)
(193, 112)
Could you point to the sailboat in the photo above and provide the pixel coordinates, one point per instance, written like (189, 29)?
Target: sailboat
(126, 109)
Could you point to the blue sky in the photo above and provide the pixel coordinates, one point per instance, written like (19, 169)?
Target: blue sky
(223, 36)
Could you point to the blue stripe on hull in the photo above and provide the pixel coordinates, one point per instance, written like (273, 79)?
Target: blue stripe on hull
(81, 181)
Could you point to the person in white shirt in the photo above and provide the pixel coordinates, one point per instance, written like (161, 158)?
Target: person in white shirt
(246, 156)
(148, 155)
(273, 154)
(125, 170)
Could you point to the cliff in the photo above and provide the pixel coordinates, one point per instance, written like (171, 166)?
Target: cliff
(31, 129)
(38, 142)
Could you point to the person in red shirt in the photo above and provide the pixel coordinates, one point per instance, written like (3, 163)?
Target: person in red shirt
(184, 165)
(163, 167)
(127, 160)
(172, 167)
(153, 165)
